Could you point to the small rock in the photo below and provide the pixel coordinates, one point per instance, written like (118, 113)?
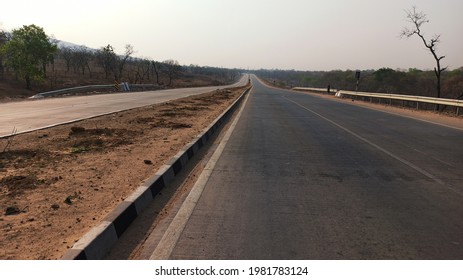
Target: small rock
(147, 161)
(55, 206)
(68, 200)
(12, 210)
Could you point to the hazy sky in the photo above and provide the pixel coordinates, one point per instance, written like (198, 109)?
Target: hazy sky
(286, 34)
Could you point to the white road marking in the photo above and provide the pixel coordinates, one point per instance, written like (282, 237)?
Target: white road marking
(411, 117)
(359, 104)
(428, 155)
(175, 229)
(411, 165)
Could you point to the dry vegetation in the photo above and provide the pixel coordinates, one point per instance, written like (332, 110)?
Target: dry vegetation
(13, 89)
(56, 184)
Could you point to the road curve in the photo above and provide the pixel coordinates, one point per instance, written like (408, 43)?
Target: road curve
(35, 114)
(303, 177)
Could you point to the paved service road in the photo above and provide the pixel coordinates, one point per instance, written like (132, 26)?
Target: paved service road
(31, 115)
(304, 177)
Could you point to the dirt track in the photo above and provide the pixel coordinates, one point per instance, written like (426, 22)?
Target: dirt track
(56, 184)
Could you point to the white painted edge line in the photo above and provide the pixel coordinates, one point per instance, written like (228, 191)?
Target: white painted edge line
(96, 242)
(411, 117)
(360, 104)
(175, 229)
(409, 164)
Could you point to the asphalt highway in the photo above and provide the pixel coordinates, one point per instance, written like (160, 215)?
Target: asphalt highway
(31, 115)
(304, 177)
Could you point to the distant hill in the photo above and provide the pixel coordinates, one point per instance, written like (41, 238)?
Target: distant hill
(63, 44)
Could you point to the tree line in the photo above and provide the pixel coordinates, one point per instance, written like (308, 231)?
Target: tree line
(385, 80)
(30, 55)
(438, 83)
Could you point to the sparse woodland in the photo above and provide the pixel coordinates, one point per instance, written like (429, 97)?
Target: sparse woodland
(439, 82)
(54, 65)
(384, 80)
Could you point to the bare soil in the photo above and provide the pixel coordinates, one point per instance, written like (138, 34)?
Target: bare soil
(57, 183)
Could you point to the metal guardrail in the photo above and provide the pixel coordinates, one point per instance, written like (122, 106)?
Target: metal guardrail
(413, 98)
(421, 99)
(320, 90)
(90, 88)
(122, 87)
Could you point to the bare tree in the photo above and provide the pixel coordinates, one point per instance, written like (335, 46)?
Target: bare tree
(139, 71)
(81, 59)
(107, 59)
(123, 59)
(65, 53)
(417, 19)
(156, 66)
(143, 70)
(172, 69)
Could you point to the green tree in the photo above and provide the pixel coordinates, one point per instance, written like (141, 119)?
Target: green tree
(3, 40)
(28, 51)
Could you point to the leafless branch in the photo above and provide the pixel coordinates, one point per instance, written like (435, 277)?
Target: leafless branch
(9, 140)
(417, 19)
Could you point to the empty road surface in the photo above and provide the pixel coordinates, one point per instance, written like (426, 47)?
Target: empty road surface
(304, 177)
(35, 114)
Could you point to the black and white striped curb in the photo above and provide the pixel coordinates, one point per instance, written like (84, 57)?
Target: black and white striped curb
(97, 242)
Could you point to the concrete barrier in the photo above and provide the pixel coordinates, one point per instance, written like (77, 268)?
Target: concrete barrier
(96, 243)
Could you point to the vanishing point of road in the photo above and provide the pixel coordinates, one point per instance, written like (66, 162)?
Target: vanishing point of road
(304, 177)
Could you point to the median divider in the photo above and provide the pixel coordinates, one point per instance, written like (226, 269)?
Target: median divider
(97, 242)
